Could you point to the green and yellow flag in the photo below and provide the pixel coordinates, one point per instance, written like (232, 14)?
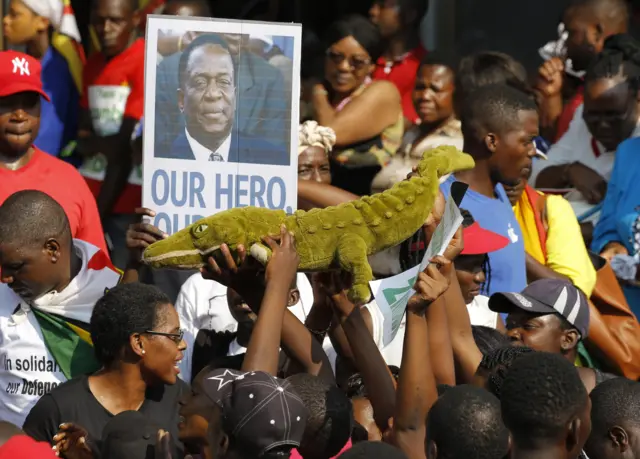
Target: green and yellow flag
(64, 320)
(69, 343)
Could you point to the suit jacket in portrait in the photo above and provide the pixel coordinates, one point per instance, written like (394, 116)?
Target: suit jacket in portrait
(243, 149)
(262, 103)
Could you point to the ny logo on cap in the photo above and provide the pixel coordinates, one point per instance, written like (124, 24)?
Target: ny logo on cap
(20, 64)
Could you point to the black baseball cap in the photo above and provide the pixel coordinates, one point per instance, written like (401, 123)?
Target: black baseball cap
(547, 296)
(259, 411)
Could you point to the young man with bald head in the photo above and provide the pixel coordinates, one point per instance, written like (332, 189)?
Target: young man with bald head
(50, 283)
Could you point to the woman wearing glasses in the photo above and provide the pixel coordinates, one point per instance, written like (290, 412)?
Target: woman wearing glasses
(137, 338)
(366, 115)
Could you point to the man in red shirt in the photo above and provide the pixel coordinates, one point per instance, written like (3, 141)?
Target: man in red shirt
(22, 165)
(399, 24)
(111, 105)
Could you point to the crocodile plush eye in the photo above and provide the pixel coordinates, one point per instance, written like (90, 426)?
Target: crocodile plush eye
(200, 229)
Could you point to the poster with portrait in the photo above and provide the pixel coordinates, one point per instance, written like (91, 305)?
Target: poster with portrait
(221, 117)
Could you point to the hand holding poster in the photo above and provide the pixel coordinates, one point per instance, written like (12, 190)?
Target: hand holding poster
(392, 294)
(221, 123)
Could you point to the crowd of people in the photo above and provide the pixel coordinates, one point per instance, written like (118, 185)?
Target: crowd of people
(520, 340)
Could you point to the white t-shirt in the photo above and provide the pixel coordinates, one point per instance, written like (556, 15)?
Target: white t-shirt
(576, 146)
(202, 304)
(479, 314)
(27, 369)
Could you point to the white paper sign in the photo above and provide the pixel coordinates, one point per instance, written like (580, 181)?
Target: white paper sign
(392, 294)
(221, 122)
(108, 104)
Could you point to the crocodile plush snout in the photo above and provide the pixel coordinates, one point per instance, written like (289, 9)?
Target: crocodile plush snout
(178, 251)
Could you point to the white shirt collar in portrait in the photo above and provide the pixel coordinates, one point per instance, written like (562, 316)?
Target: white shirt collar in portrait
(202, 153)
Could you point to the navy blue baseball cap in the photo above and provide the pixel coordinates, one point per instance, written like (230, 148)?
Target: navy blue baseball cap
(261, 412)
(547, 296)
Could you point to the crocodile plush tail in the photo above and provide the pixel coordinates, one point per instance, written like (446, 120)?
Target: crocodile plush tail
(444, 160)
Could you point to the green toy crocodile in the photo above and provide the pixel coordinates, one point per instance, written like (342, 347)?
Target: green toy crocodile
(341, 236)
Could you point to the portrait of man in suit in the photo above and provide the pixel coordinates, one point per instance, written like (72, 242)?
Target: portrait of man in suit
(207, 97)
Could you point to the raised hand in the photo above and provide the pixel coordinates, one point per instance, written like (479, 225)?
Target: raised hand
(238, 274)
(550, 77)
(142, 234)
(430, 285)
(284, 259)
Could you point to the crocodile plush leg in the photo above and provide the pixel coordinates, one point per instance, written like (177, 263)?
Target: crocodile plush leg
(352, 256)
(260, 252)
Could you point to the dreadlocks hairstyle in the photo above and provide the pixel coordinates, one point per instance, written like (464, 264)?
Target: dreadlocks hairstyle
(620, 56)
(496, 364)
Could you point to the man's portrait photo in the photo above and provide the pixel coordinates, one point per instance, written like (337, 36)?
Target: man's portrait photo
(220, 98)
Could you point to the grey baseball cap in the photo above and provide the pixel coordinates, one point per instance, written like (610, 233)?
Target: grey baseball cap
(547, 296)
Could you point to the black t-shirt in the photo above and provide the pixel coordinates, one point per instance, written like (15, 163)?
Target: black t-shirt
(73, 402)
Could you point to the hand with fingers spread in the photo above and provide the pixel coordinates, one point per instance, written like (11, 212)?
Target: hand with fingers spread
(284, 260)
(141, 235)
(430, 285)
(71, 442)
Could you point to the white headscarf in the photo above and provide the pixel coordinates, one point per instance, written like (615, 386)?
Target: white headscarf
(54, 11)
(311, 134)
